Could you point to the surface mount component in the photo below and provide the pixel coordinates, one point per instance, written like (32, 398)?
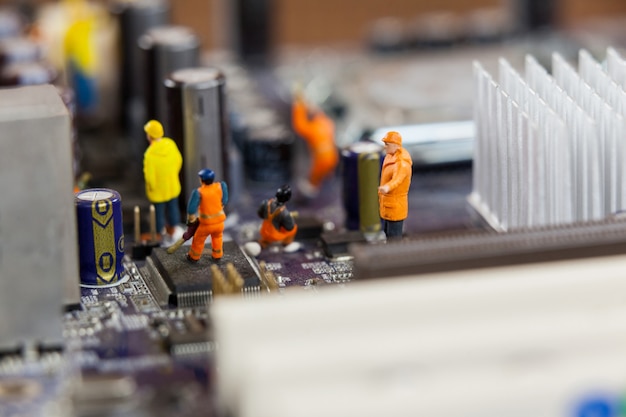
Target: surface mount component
(335, 244)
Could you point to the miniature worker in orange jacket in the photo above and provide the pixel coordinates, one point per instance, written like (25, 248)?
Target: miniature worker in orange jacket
(278, 224)
(206, 206)
(318, 131)
(395, 180)
(162, 162)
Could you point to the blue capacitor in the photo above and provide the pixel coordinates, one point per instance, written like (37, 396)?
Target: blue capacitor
(350, 179)
(100, 236)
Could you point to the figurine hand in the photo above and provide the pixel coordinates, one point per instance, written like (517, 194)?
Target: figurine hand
(383, 189)
(297, 91)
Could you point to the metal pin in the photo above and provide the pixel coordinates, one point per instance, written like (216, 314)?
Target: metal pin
(137, 224)
(153, 231)
(268, 280)
(234, 278)
(217, 281)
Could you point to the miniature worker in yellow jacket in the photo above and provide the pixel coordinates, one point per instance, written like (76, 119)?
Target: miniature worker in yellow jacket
(162, 162)
(395, 180)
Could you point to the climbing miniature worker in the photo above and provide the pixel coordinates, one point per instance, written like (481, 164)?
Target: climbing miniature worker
(318, 131)
(206, 205)
(395, 180)
(162, 162)
(278, 224)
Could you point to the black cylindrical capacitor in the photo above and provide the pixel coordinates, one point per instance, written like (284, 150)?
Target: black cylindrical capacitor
(135, 17)
(268, 152)
(353, 181)
(252, 20)
(165, 49)
(199, 123)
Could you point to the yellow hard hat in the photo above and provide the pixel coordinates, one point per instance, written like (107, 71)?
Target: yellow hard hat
(393, 137)
(154, 129)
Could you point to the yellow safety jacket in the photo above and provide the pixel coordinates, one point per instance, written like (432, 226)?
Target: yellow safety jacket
(162, 162)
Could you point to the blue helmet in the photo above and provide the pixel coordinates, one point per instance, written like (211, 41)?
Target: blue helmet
(206, 175)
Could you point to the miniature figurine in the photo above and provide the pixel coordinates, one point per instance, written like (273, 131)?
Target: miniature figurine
(278, 225)
(395, 180)
(318, 131)
(206, 205)
(82, 57)
(162, 162)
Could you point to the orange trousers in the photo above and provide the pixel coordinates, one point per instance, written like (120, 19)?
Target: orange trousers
(269, 234)
(216, 232)
(322, 165)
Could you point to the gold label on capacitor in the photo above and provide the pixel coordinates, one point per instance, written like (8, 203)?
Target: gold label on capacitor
(104, 241)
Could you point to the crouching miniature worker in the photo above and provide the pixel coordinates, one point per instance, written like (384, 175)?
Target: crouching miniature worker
(206, 206)
(395, 180)
(278, 224)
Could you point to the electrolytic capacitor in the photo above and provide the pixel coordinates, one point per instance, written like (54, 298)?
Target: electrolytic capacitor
(369, 178)
(100, 236)
(268, 152)
(165, 49)
(198, 123)
(361, 171)
(135, 17)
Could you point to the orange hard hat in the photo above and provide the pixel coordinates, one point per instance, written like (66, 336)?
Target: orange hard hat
(393, 137)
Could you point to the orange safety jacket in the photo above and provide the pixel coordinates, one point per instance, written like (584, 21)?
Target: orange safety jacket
(268, 231)
(210, 210)
(319, 134)
(396, 173)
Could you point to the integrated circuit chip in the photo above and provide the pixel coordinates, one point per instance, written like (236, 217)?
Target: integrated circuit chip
(178, 282)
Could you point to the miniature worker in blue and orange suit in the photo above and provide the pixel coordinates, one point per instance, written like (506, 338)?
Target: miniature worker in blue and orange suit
(318, 131)
(162, 162)
(278, 225)
(395, 180)
(206, 205)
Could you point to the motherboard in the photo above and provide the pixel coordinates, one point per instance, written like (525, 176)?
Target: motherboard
(142, 341)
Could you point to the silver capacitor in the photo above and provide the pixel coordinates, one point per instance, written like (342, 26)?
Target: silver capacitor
(199, 123)
(165, 50)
